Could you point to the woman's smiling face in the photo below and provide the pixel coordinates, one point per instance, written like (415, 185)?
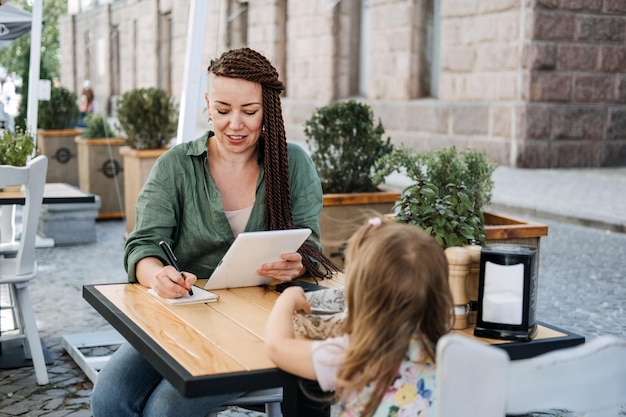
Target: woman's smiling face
(236, 107)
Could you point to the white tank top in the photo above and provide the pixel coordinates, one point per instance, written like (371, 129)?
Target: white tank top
(238, 219)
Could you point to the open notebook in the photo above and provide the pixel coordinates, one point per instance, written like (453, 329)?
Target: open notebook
(199, 296)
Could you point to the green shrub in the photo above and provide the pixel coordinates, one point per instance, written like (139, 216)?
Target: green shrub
(448, 194)
(15, 148)
(148, 117)
(60, 112)
(98, 127)
(345, 144)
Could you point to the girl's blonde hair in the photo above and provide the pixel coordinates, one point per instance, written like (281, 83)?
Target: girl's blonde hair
(396, 289)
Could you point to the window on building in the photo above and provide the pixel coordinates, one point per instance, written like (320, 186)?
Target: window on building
(237, 24)
(114, 62)
(281, 41)
(88, 57)
(165, 51)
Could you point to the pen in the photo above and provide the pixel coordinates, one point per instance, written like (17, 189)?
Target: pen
(172, 259)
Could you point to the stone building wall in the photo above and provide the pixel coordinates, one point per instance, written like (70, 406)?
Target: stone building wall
(576, 111)
(534, 83)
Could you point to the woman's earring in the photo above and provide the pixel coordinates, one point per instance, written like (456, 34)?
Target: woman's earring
(210, 123)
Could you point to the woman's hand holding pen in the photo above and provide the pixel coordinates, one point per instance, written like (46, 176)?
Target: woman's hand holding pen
(169, 283)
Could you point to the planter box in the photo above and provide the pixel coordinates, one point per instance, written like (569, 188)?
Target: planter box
(60, 148)
(100, 172)
(502, 228)
(137, 166)
(343, 214)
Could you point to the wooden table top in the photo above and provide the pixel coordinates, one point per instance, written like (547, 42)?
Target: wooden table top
(193, 345)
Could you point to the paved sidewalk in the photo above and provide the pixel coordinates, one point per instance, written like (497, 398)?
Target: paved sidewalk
(581, 285)
(593, 197)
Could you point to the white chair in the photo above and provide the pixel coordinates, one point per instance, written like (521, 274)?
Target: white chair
(270, 397)
(18, 271)
(478, 380)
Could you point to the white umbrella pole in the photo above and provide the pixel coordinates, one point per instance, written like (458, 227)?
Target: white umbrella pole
(190, 97)
(33, 73)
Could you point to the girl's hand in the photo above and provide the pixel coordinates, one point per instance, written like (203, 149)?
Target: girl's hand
(169, 283)
(289, 268)
(294, 299)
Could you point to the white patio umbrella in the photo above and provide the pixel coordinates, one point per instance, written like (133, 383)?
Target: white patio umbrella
(10, 15)
(14, 22)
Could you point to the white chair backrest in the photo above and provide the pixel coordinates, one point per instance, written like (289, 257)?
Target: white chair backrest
(478, 380)
(33, 177)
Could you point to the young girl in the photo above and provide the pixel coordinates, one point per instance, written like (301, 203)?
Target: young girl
(398, 306)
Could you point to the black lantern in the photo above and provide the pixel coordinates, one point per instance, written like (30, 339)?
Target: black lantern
(507, 292)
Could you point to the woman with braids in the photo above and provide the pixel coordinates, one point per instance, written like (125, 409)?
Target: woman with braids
(240, 176)
(398, 305)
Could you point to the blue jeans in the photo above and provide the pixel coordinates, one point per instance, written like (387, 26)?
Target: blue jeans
(128, 386)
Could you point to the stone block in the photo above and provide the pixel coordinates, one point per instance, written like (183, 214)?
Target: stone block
(582, 5)
(614, 6)
(543, 56)
(614, 153)
(69, 224)
(578, 122)
(592, 28)
(593, 89)
(616, 128)
(549, 86)
(578, 57)
(550, 25)
(470, 119)
(534, 154)
(538, 121)
(575, 154)
(613, 58)
(620, 89)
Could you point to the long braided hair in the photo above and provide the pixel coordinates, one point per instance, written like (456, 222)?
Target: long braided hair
(247, 64)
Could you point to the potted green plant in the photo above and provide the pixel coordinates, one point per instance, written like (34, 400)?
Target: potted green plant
(100, 165)
(447, 195)
(56, 121)
(345, 143)
(148, 118)
(16, 147)
(452, 176)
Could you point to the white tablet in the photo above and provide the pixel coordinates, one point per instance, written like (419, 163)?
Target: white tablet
(248, 252)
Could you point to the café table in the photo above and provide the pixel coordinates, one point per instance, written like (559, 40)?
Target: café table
(53, 193)
(219, 347)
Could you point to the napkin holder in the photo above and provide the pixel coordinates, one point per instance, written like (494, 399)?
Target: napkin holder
(507, 292)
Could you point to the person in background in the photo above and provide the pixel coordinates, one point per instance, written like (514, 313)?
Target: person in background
(240, 176)
(398, 305)
(85, 103)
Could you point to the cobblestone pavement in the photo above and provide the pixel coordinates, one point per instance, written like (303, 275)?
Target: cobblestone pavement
(581, 288)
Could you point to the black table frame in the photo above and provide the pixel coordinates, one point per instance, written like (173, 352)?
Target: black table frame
(47, 199)
(524, 350)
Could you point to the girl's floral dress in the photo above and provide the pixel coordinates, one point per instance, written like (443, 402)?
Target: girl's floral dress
(411, 394)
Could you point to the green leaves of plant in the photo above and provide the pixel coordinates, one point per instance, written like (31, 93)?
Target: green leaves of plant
(15, 148)
(346, 143)
(148, 117)
(448, 193)
(60, 112)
